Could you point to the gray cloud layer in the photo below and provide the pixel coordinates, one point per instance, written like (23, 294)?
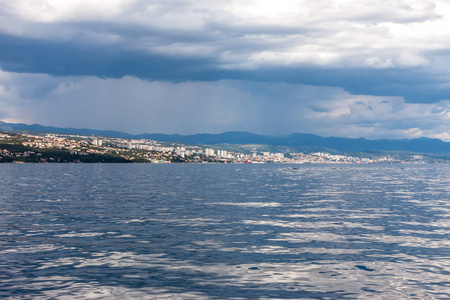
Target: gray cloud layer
(365, 47)
(134, 105)
(229, 65)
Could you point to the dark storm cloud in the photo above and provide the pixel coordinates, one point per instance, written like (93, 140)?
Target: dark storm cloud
(370, 48)
(67, 59)
(318, 108)
(25, 55)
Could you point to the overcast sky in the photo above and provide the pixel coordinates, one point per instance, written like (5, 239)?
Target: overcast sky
(353, 68)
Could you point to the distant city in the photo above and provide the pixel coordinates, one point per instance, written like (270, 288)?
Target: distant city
(47, 148)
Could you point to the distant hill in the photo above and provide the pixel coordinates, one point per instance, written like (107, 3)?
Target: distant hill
(49, 129)
(420, 145)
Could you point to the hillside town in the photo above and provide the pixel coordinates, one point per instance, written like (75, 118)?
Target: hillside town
(26, 147)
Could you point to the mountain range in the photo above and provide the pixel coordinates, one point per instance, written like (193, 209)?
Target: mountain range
(420, 145)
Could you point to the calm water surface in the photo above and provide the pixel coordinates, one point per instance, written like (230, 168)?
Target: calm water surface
(107, 231)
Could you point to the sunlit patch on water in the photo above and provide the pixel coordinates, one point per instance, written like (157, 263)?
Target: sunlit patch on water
(249, 204)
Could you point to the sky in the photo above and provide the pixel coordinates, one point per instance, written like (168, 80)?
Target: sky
(348, 68)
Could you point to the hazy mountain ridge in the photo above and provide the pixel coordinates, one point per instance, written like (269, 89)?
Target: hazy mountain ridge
(420, 145)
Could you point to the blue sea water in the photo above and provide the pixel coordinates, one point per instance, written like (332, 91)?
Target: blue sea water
(209, 231)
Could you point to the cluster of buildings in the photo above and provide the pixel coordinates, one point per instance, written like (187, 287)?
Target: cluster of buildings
(321, 157)
(6, 152)
(51, 141)
(16, 156)
(143, 150)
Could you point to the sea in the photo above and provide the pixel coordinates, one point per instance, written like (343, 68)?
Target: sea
(224, 231)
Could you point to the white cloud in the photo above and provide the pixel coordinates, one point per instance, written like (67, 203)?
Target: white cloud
(339, 33)
(382, 117)
(378, 63)
(411, 60)
(51, 11)
(445, 136)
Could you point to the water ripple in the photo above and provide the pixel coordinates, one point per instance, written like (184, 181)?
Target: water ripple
(225, 232)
